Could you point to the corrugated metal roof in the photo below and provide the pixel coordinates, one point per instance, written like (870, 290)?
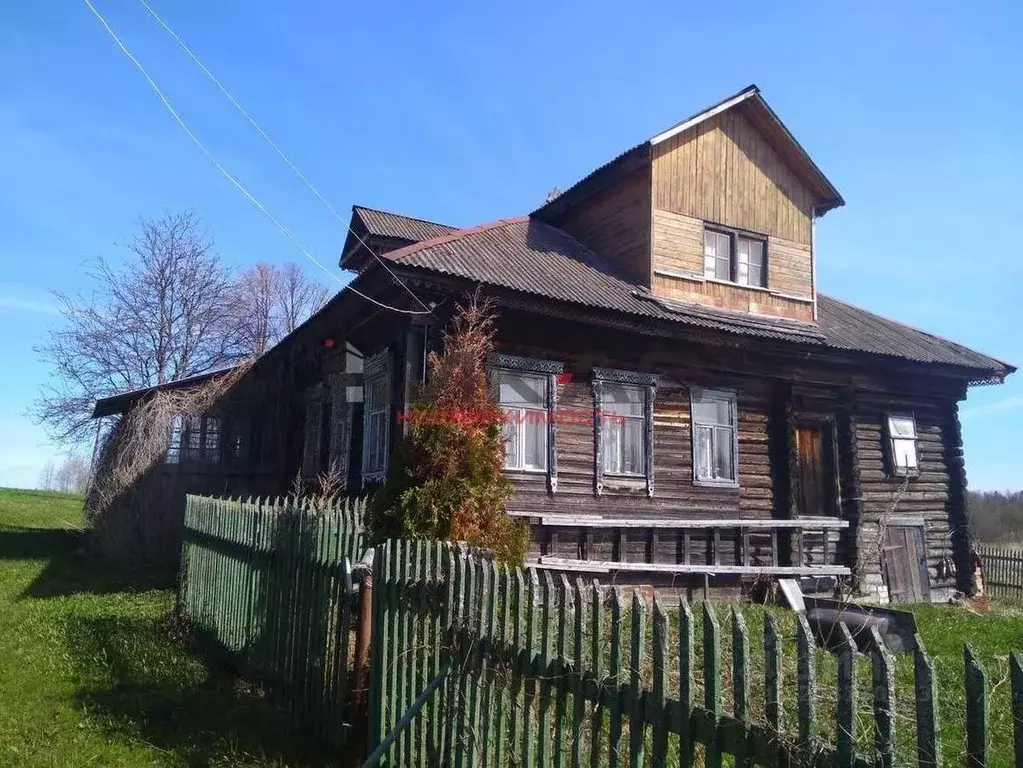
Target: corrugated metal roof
(385, 224)
(528, 255)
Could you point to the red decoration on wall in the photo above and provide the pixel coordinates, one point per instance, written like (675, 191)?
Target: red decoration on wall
(328, 343)
(564, 378)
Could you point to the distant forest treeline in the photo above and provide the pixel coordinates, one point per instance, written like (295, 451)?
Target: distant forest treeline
(996, 517)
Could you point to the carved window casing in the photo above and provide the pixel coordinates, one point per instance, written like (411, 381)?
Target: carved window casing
(623, 428)
(527, 391)
(376, 416)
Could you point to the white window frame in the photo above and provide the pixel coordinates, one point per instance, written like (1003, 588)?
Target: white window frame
(377, 372)
(735, 262)
(892, 440)
(730, 397)
(517, 415)
(606, 435)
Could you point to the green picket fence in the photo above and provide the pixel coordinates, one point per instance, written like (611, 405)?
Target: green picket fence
(269, 584)
(536, 670)
(1003, 571)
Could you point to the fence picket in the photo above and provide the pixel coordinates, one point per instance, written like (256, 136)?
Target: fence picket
(534, 665)
(1016, 675)
(578, 703)
(597, 667)
(883, 677)
(926, 689)
(712, 684)
(772, 673)
(806, 681)
(976, 710)
(685, 681)
(615, 730)
(547, 668)
(740, 682)
(659, 747)
(558, 672)
(846, 709)
(636, 720)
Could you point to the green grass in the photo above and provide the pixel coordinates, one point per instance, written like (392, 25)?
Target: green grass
(93, 671)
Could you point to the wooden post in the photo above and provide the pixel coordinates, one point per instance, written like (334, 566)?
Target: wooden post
(363, 639)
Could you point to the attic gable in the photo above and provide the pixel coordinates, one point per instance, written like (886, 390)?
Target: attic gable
(382, 231)
(751, 104)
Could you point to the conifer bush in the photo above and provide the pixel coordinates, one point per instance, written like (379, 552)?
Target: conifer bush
(445, 480)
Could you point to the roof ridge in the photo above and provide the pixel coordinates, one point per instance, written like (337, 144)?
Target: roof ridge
(458, 234)
(402, 216)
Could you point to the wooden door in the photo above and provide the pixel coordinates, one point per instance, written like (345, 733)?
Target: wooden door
(905, 564)
(815, 479)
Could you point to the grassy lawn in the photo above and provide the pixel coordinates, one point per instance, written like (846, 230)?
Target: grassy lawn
(92, 671)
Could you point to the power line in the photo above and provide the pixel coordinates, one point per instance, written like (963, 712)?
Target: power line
(273, 144)
(209, 155)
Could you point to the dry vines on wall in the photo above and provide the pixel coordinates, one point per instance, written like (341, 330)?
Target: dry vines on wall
(128, 511)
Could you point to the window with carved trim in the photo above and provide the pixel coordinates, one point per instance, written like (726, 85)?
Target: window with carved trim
(623, 429)
(523, 397)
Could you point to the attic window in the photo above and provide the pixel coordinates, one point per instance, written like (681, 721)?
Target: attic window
(734, 257)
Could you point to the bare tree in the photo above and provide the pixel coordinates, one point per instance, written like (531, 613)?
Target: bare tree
(46, 476)
(165, 313)
(273, 301)
(72, 476)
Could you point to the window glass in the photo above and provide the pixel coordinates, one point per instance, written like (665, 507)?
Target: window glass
(377, 413)
(902, 436)
(622, 400)
(622, 428)
(708, 409)
(714, 435)
(523, 398)
(523, 390)
(901, 426)
(904, 453)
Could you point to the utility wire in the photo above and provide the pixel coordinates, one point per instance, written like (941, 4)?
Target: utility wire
(209, 155)
(273, 144)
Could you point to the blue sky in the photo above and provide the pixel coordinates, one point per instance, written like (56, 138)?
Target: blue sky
(465, 112)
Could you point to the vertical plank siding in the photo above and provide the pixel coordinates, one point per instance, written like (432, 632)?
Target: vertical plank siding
(268, 585)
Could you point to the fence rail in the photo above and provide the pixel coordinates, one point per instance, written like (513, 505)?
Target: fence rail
(1003, 571)
(269, 583)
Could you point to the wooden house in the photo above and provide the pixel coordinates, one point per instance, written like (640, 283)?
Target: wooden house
(684, 406)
